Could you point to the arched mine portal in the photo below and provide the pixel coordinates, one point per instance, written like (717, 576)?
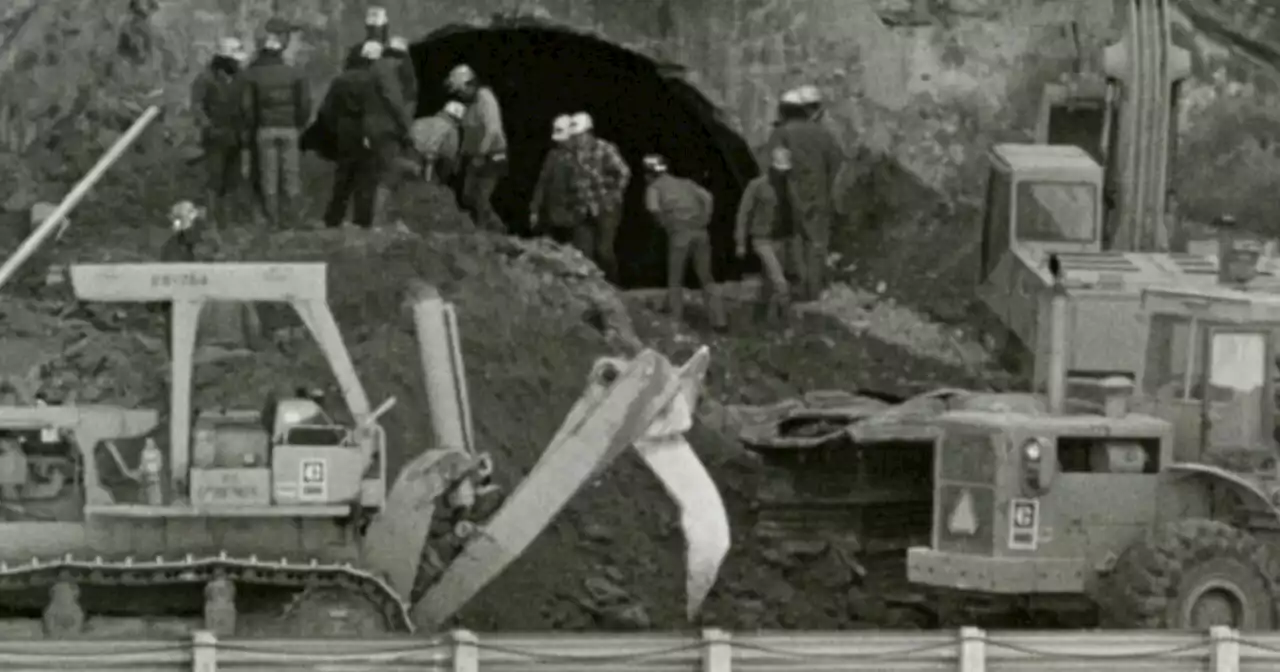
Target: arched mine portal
(540, 71)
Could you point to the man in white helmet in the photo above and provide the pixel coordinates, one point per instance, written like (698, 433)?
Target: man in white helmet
(354, 111)
(816, 159)
(552, 202)
(436, 140)
(683, 208)
(376, 29)
(277, 104)
(398, 52)
(601, 177)
(216, 106)
(484, 145)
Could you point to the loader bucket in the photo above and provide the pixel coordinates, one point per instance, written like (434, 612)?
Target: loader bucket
(609, 417)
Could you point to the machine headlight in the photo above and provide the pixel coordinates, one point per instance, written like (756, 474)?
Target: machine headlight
(1033, 450)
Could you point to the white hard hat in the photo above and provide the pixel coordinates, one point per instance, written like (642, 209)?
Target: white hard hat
(780, 158)
(375, 16)
(654, 163)
(562, 128)
(229, 47)
(272, 42)
(371, 50)
(398, 43)
(455, 109)
(791, 97)
(581, 123)
(183, 215)
(809, 94)
(460, 76)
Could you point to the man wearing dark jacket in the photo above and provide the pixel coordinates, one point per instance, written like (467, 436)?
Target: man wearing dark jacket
(277, 103)
(816, 158)
(215, 102)
(553, 194)
(398, 52)
(683, 208)
(375, 30)
(352, 110)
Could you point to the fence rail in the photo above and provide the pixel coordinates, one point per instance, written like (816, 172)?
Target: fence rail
(967, 650)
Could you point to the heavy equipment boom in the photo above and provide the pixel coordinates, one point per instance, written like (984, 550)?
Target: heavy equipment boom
(294, 503)
(1126, 118)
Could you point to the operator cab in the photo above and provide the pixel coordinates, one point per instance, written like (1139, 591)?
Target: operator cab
(1043, 199)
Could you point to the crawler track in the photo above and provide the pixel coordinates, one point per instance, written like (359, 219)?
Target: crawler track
(317, 584)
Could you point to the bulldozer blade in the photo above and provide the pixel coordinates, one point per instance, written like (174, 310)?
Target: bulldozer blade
(394, 539)
(600, 427)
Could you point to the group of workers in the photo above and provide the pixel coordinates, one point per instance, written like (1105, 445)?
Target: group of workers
(258, 107)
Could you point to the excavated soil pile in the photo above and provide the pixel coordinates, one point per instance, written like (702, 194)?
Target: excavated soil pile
(533, 317)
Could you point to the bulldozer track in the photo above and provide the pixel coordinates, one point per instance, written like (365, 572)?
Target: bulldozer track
(133, 572)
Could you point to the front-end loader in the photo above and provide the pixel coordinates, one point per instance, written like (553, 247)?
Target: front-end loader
(279, 518)
(1153, 505)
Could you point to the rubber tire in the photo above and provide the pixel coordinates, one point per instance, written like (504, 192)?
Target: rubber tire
(1153, 578)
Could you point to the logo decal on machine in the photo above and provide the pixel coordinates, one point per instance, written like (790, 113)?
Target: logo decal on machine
(313, 480)
(1024, 524)
(963, 520)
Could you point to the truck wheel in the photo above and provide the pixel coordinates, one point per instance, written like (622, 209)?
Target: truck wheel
(1193, 574)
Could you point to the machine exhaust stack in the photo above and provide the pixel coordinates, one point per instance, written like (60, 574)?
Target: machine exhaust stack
(1057, 378)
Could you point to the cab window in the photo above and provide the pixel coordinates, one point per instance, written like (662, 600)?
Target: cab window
(1056, 212)
(1172, 368)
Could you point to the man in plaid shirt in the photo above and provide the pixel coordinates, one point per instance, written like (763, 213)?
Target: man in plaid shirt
(600, 179)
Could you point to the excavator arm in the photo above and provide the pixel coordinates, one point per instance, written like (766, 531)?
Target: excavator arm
(644, 402)
(1125, 117)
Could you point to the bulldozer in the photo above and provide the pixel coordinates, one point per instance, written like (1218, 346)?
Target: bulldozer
(1153, 503)
(281, 519)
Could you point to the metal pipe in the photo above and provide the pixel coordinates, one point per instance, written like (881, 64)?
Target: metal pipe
(1057, 383)
(77, 193)
(443, 372)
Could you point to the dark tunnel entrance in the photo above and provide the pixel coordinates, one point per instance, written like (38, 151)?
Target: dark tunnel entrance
(540, 71)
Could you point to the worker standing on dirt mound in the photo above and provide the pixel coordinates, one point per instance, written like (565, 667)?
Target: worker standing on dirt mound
(216, 104)
(398, 53)
(764, 215)
(375, 30)
(683, 208)
(484, 146)
(601, 177)
(816, 158)
(436, 140)
(277, 103)
(552, 202)
(354, 111)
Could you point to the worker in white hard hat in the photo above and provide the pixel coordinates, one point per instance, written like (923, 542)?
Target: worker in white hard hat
(816, 160)
(376, 29)
(552, 202)
(810, 98)
(484, 145)
(436, 140)
(277, 104)
(398, 51)
(683, 208)
(601, 177)
(764, 220)
(217, 107)
(353, 110)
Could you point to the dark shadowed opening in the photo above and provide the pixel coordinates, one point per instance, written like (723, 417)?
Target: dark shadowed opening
(539, 71)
